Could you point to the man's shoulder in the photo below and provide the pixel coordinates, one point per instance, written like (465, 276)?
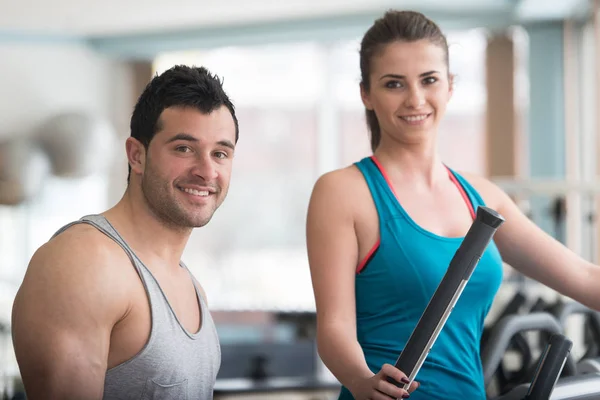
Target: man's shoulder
(76, 231)
(74, 274)
(78, 249)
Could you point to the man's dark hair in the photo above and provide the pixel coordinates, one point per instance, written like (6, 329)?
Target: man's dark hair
(179, 86)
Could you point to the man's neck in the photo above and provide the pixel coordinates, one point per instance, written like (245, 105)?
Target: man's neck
(146, 233)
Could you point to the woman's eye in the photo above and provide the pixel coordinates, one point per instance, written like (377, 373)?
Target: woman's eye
(429, 80)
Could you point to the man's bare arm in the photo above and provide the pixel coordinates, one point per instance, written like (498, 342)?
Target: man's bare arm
(63, 316)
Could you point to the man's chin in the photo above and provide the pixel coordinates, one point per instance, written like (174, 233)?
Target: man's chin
(199, 221)
(200, 224)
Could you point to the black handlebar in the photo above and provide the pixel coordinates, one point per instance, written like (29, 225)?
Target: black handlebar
(551, 364)
(447, 293)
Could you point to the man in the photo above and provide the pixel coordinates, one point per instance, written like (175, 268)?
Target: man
(106, 308)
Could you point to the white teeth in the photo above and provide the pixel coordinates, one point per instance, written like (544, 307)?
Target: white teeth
(196, 192)
(415, 118)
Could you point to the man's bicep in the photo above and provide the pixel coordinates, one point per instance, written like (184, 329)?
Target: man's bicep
(61, 326)
(58, 363)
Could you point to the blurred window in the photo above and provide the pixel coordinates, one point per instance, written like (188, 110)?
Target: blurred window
(300, 115)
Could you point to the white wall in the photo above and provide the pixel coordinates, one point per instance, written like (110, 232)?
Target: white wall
(37, 80)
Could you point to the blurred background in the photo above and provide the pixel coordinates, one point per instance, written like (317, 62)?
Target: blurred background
(524, 113)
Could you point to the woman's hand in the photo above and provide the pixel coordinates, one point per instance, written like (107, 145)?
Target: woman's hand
(377, 386)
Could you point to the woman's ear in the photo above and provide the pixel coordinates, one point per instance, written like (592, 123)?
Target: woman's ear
(364, 95)
(136, 155)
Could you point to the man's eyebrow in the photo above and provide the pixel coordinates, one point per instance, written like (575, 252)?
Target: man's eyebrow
(189, 138)
(182, 136)
(226, 143)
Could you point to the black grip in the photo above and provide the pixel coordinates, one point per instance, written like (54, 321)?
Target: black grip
(448, 291)
(549, 367)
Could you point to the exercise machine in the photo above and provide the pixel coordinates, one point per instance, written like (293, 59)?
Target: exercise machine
(500, 339)
(590, 361)
(556, 356)
(548, 371)
(568, 381)
(447, 293)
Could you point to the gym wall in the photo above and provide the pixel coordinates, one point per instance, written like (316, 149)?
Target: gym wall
(40, 78)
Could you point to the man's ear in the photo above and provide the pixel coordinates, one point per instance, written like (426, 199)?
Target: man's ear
(366, 99)
(136, 155)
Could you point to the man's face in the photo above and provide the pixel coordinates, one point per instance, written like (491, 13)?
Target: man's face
(188, 165)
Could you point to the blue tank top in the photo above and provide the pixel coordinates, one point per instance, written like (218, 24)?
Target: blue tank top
(398, 278)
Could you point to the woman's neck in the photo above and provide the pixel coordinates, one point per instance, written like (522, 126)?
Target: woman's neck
(419, 164)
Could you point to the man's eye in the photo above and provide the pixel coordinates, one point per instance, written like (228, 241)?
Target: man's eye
(393, 84)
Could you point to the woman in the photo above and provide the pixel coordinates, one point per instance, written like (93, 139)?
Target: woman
(381, 232)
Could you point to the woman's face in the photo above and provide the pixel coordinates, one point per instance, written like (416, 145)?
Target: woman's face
(409, 89)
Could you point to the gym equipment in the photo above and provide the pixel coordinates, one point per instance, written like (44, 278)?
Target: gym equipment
(271, 369)
(575, 227)
(558, 215)
(579, 387)
(568, 387)
(23, 167)
(447, 293)
(562, 310)
(78, 144)
(518, 342)
(551, 364)
(500, 339)
(547, 373)
(588, 365)
(512, 307)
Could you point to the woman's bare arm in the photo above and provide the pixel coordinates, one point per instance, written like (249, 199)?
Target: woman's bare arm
(333, 254)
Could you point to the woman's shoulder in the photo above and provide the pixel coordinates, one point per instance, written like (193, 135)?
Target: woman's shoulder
(343, 178)
(490, 193)
(341, 188)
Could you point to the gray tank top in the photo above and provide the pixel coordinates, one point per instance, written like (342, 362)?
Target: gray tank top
(174, 364)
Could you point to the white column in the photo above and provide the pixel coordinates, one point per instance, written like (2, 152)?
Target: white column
(328, 136)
